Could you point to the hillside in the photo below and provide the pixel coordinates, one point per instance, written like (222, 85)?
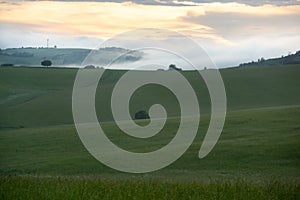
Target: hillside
(256, 157)
(74, 57)
(45, 93)
(59, 57)
(260, 140)
(283, 60)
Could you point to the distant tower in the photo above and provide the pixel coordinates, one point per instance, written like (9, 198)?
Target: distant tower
(47, 43)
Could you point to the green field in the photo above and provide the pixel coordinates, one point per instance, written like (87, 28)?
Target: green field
(257, 156)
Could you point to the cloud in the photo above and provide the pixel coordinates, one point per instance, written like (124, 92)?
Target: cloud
(186, 2)
(96, 19)
(252, 32)
(230, 32)
(251, 48)
(18, 35)
(241, 25)
(249, 2)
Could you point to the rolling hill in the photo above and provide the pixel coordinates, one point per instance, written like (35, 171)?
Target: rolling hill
(283, 60)
(59, 57)
(46, 93)
(257, 156)
(72, 57)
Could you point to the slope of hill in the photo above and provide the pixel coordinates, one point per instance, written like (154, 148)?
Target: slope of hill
(74, 57)
(256, 157)
(46, 93)
(260, 138)
(59, 57)
(284, 60)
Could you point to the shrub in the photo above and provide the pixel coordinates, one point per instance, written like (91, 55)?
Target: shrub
(141, 115)
(46, 63)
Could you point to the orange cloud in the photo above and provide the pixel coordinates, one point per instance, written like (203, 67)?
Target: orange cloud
(100, 19)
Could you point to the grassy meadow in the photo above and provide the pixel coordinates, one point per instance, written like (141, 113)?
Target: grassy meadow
(257, 156)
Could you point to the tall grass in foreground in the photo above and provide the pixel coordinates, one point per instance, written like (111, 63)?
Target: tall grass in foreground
(16, 187)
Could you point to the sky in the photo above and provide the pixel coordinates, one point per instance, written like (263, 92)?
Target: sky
(231, 32)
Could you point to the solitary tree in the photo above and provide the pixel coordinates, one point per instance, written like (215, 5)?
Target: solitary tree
(46, 63)
(173, 67)
(141, 115)
(89, 67)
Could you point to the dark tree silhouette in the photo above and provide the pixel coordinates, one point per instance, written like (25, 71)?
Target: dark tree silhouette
(46, 63)
(141, 115)
(173, 67)
(90, 67)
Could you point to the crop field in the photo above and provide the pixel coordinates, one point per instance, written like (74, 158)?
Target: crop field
(256, 157)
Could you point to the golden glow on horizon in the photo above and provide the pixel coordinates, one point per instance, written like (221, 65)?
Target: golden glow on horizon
(103, 20)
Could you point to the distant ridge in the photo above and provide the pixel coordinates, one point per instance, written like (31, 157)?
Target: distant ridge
(73, 57)
(284, 60)
(31, 56)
